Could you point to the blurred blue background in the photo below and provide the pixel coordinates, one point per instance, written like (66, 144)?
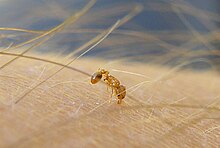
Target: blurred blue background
(165, 32)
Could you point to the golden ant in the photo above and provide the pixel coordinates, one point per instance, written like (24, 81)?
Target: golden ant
(117, 89)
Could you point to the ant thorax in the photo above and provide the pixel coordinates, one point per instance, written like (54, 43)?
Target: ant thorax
(113, 81)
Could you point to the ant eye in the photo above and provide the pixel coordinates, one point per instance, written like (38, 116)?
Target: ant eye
(96, 77)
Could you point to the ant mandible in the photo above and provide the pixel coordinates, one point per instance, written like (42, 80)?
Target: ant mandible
(117, 89)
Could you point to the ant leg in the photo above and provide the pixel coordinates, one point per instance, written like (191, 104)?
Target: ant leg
(117, 95)
(110, 100)
(119, 101)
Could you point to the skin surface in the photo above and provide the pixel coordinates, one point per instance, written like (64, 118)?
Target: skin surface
(169, 109)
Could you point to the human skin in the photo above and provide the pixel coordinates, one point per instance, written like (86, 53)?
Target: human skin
(169, 109)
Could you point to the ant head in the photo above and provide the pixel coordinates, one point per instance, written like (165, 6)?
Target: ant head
(96, 77)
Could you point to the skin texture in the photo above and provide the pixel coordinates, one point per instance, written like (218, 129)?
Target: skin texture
(172, 109)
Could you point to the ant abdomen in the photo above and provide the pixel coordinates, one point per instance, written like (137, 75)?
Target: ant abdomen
(96, 77)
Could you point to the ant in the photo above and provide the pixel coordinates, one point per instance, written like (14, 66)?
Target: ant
(112, 82)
